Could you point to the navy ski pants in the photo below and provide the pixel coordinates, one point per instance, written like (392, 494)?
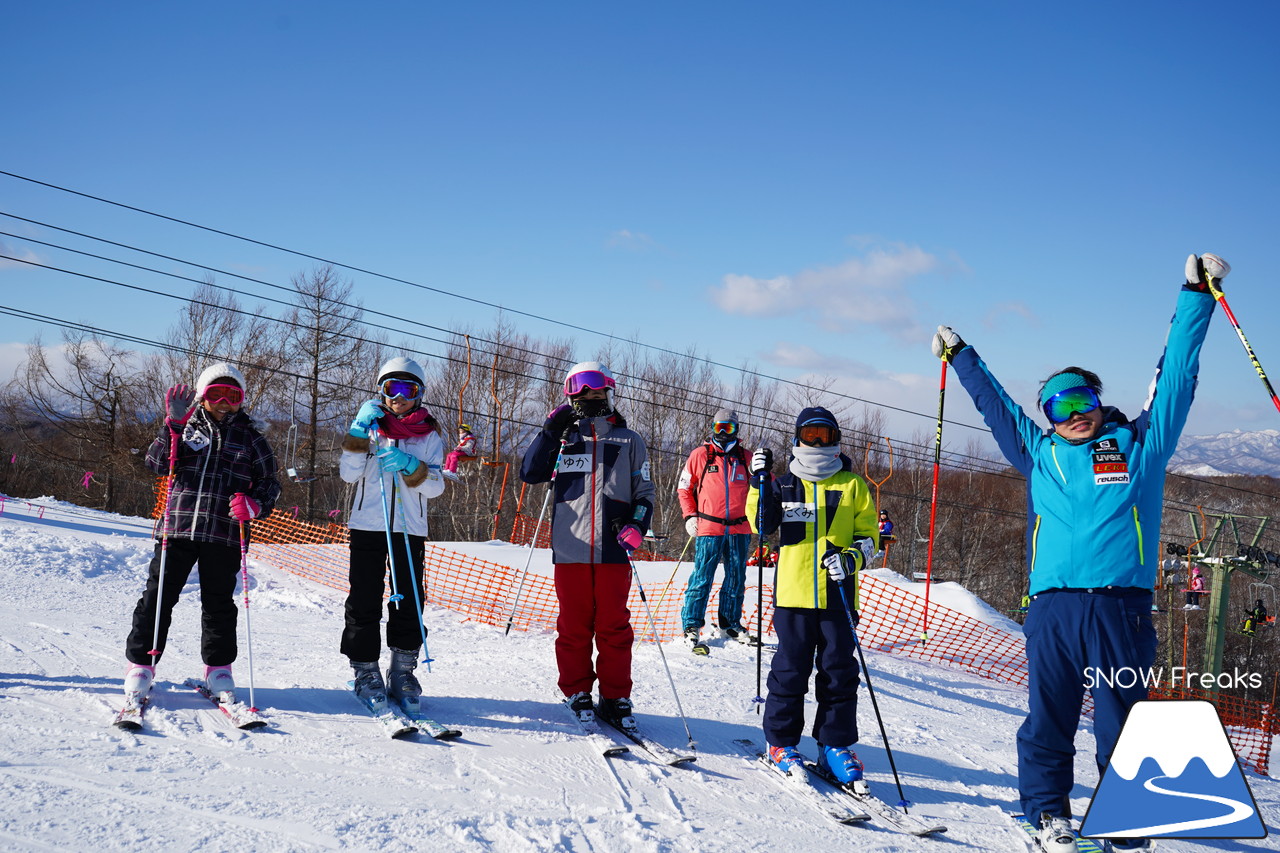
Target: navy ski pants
(1073, 638)
(708, 551)
(806, 636)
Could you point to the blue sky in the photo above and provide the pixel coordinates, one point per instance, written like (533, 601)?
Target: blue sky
(809, 188)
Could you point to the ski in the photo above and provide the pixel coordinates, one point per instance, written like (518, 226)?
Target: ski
(881, 811)
(240, 714)
(130, 716)
(413, 710)
(1083, 845)
(801, 788)
(660, 752)
(393, 721)
(600, 741)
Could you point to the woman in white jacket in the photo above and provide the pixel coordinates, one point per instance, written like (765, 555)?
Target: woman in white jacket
(393, 453)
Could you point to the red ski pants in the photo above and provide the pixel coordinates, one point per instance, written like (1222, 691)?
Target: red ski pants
(593, 607)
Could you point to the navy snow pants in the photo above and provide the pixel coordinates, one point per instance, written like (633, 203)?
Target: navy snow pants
(806, 636)
(1073, 638)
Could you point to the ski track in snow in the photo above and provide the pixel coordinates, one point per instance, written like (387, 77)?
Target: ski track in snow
(323, 777)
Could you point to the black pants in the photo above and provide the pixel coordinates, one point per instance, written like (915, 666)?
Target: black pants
(218, 566)
(363, 610)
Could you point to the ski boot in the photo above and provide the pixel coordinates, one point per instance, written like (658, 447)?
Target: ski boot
(1056, 835)
(582, 707)
(369, 685)
(842, 763)
(617, 713)
(789, 760)
(1117, 845)
(220, 683)
(741, 635)
(699, 647)
(138, 679)
(402, 685)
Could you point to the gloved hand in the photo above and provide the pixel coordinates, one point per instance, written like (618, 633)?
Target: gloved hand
(396, 461)
(946, 343)
(841, 564)
(630, 537)
(691, 525)
(179, 403)
(761, 460)
(366, 418)
(1199, 269)
(244, 507)
(558, 420)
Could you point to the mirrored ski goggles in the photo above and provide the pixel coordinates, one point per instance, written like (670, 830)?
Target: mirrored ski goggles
(818, 435)
(402, 388)
(1061, 406)
(593, 379)
(229, 394)
(725, 428)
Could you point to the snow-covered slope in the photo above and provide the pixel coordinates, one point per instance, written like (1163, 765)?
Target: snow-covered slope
(1234, 452)
(323, 778)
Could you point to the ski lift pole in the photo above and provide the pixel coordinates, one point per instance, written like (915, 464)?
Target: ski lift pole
(1235, 324)
(933, 502)
(866, 473)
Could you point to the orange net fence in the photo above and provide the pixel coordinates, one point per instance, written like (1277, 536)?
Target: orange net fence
(891, 616)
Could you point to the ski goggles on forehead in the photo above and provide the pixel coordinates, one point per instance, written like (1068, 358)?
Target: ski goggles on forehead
(230, 394)
(592, 379)
(403, 388)
(1061, 406)
(818, 435)
(725, 427)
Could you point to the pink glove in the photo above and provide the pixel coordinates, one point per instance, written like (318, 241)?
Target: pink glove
(630, 537)
(244, 507)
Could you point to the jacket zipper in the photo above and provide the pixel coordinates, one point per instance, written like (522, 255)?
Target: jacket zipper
(1137, 524)
(816, 527)
(594, 446)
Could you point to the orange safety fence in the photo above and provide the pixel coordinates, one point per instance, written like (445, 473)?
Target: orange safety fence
(890, 615)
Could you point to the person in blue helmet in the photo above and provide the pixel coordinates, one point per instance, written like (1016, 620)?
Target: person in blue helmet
(1095, 483)
(826, 520)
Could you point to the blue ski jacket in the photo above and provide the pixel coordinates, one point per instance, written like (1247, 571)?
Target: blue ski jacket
(1093, 509)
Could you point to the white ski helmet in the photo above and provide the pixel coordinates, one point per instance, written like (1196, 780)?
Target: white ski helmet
(588, 374)
(400, 364)
(214, 372)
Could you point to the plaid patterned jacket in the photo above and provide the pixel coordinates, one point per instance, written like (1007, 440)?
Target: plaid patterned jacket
(215, 460)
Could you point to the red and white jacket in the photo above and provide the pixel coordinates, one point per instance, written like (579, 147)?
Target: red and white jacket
(713, 486)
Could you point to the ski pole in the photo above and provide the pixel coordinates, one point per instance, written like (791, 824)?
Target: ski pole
(413, 576)
(663, 597)
(244, 588)
(1222, 300)
(933, 503)
(164, 542)
(853, 627)
(396, 597)
(657, 641)
(533, 543)
(759, 698)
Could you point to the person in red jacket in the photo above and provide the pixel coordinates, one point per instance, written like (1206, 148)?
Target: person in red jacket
(713, 499)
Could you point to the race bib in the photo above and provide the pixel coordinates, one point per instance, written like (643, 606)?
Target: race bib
(797, 511)
(575, 463)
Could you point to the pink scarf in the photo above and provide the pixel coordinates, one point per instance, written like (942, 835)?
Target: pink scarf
(408, 426)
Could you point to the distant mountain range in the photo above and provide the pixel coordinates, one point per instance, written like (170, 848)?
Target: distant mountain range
(1235, 452)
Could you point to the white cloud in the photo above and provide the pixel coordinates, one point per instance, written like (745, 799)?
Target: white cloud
(16, 252)
(632, 240)
(995, 316)
(870, 290)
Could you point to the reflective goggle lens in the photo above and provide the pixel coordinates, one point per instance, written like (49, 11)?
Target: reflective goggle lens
(818, 435)
(402, 388)
(1061, 406)
(230, 394)
(725, 427)
(579, 382)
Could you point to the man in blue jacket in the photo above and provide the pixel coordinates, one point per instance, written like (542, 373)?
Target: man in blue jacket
(1095, 482)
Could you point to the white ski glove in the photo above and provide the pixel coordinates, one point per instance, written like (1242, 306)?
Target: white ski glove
(761, 460)
(691, 525)
(946, 343)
